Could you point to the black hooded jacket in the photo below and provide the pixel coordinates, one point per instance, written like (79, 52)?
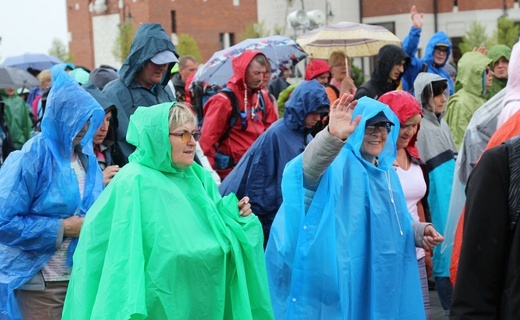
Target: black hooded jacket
(388, 56)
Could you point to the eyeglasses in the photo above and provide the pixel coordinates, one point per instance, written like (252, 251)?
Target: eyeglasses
(186, 136)
(384, 128)
(441, 49)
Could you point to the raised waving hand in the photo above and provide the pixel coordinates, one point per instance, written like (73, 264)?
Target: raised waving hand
(341, 124)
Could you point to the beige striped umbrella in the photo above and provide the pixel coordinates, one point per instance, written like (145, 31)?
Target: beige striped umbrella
(354, 39)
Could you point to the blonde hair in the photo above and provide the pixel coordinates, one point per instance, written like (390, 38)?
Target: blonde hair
(338, 56)
(44, 75)
(180, 114)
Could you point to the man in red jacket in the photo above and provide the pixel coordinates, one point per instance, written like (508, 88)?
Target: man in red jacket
(224, 147)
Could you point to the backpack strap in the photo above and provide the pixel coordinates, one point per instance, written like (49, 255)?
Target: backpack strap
(336, 91)
(235, 112)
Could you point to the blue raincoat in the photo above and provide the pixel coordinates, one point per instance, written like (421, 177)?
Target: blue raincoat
(258, 175)
(38, 187)
(126, 93)
(411, 45)
(351, 255)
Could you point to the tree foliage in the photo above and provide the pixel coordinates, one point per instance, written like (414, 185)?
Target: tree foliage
(506, 32)
(59, 50)
(123, 41)
(188, 45)
(475, 37)
(255, 30)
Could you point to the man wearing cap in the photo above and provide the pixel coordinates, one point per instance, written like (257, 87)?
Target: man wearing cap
(435, 58)
(143, 78)
(259, 173)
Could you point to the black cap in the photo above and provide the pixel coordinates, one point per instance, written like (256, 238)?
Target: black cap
(379, 118)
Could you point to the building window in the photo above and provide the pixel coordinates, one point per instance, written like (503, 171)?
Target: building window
(226, 40)
(173, 21)
(455, 51)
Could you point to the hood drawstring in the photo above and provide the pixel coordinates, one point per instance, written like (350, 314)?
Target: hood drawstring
(393, 201)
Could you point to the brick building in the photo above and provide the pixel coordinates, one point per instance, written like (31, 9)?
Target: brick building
(93, 26)
(216, 24)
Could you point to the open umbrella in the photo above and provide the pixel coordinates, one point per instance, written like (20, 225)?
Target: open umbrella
(354, 39)
(279, 50)
(37, 61)
(16, 78)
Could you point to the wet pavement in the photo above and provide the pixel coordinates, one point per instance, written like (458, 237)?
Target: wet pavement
(435, 305)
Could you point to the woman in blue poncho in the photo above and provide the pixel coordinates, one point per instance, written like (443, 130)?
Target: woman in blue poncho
(45, 190)
(342, 244)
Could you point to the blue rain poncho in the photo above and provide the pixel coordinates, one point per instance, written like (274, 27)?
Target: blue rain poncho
(38, 187)
(351, 255)
(258, 174)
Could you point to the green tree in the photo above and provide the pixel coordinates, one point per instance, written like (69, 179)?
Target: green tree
(188, 45)
(506, 32)
(255, 30)
(475, 37)
(59, 50)
(124, 40)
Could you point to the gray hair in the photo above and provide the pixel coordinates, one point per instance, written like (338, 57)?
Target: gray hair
(180, 114)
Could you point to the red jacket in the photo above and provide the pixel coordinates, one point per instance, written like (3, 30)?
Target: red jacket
(217, 112)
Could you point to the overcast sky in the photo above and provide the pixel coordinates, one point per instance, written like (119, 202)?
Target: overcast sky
(29, 26)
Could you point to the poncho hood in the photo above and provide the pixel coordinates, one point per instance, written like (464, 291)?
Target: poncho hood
(405, 106)
(389, 56)
(368, 108)
(471, 73)
(149, 40)
(148, 131)
(308, 97)
(68, 109)
(437, 39)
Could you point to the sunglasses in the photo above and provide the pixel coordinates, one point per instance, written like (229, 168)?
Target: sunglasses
(382, 127)
(186, 136)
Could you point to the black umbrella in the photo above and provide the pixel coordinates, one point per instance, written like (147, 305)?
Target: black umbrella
(16, 78)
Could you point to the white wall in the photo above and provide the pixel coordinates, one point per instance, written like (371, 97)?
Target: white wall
(105, 32)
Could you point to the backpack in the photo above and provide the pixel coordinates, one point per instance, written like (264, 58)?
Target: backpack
(223, 161)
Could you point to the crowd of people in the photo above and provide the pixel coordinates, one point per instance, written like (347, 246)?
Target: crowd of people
(120, 198)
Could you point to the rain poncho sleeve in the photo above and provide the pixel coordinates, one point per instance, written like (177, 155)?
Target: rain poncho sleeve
(161, 243)
(38, 188)
(417, 65)
(351, 255)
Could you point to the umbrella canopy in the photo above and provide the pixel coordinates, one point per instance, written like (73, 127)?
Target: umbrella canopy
(16, 78)
(279, 50)
(354, 39)
(37, 61)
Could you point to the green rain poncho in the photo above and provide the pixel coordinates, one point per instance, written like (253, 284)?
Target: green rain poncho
(161, 243)
(495, 53)
(461, 106)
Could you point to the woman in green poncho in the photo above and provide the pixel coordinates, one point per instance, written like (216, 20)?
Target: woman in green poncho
(161, 243)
